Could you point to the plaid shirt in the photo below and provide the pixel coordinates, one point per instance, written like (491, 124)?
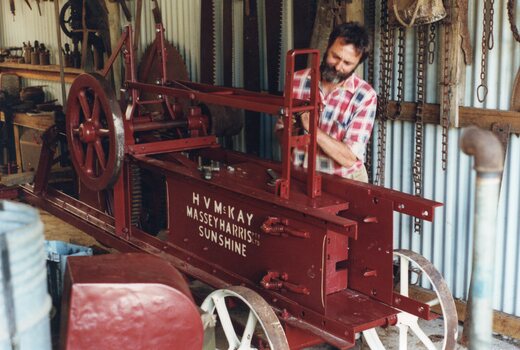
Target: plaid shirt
(348, 116)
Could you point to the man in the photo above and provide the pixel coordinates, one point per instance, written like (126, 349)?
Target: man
(349, 105)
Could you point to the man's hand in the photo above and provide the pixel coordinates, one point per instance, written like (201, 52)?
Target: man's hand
(305, 117)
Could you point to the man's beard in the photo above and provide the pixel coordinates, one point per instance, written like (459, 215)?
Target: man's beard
(331, 75)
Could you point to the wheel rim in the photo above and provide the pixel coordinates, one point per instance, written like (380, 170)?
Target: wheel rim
(95, 134)
(407, 322)
(261, 315)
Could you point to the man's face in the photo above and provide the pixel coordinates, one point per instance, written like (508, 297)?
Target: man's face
(339, 62)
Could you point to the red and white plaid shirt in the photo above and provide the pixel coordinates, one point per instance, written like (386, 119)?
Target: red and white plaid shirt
(348, 116)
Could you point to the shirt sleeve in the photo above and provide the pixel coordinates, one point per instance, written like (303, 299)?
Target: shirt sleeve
(361, 125)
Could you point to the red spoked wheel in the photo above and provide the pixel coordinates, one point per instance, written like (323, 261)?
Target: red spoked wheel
(95, 132)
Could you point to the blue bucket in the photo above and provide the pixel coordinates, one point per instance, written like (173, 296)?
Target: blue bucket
(24, 301)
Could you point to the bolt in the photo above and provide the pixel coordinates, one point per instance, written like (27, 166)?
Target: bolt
(400, 206)
(397, 301)
(205, 249)
(420, 309)
(425, 213)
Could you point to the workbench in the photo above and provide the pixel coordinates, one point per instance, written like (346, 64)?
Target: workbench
(27, 128)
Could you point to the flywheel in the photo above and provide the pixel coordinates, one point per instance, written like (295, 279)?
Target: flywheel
(95, 131)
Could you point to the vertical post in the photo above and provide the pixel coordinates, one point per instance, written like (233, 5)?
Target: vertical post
(60, 55)
(489, 155)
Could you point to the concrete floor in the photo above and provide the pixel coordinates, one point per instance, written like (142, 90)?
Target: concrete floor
(55, 229)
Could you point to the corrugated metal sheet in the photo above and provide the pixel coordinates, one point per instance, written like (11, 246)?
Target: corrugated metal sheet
(448, 241)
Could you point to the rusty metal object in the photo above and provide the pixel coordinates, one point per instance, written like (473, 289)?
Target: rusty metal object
(488, 152)
(410, 13)
(94, 128)
(511, 18)
(488, 42)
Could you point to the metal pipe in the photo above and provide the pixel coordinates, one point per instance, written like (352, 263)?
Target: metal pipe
(489, 160)
(156, 125)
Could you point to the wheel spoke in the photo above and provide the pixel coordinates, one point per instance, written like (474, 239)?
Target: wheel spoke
(89, 160)
(225, 320)
(249, 330)
(403, 336)
(422, 336)
(83, 101)
(100, 154)
(404, 275)
(372, 339)
(103, 132)
(433, 302)
(95, 109)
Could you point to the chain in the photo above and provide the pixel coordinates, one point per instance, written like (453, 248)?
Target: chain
(384, 85)
(421, 78)
(371, 12)
(487, 44)
(401, 43)
(431, 43)
(511, 17)
(446, 97)
(382, 103)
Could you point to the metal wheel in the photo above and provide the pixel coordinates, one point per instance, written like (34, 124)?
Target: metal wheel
(411, 267)
(260, 317)
(95, 132)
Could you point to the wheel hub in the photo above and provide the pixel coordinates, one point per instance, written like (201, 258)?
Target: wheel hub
(88, 132)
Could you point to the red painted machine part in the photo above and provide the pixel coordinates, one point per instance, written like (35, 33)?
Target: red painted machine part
(127, 301)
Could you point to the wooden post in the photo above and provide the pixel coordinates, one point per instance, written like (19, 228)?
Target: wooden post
(456, 64)
(114, 25)
(355, 12)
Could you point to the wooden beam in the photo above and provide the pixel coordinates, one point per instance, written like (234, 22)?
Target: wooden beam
(30, 71)
(503, 323)
(484, 118)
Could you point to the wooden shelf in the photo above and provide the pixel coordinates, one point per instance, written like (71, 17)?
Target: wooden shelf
(32, 71)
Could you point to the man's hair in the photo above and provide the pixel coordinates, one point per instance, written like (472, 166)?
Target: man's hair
(352, 33)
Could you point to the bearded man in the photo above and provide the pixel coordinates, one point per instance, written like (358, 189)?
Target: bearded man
(349, 105)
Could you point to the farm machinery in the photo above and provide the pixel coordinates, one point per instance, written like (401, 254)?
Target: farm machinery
(310, 254)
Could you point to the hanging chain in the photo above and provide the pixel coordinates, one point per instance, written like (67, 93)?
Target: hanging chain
(384, 85)
(371, 13)
(419, 122)
(431, 43)
(488, 42)
(446, 97)
(401, 44)
(511, 17)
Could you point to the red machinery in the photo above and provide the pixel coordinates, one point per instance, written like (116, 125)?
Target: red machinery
(317, 248)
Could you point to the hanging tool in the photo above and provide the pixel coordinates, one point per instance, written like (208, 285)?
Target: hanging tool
(28, 4)
(12, 7)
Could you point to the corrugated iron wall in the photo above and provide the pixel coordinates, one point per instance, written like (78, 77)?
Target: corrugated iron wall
(447, 241)
(28, 25)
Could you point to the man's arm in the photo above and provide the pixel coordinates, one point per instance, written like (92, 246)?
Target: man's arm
(336, 150)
